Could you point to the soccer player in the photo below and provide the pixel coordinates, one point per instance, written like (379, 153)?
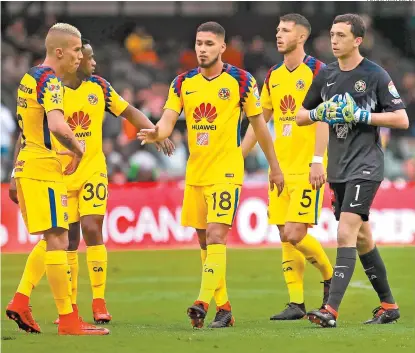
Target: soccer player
(365, 99)
(41, 192)
(302, 156)
(86, 98)
(213, 97)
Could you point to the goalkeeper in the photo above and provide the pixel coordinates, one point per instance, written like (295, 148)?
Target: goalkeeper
(355, 97)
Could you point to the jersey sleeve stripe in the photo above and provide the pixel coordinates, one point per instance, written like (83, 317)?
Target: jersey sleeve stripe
(52, 204)
(244, 79)
(178, 81)
(46, 133)
(314, 64)
(268, 77)
(42, 75)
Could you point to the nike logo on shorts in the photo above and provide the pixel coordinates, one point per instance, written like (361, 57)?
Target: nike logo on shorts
(221, 214)
(302, 213)
(330, 84)
(95, 205)
(355, 204)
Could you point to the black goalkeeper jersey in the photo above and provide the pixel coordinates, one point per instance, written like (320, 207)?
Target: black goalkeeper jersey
(355, 150)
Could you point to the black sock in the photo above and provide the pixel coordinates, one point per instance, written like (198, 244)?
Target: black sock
(376, 272)
(343, 272)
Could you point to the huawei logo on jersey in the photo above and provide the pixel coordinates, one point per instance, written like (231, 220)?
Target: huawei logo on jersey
(79, 119)
(206, 111)
(287, 104)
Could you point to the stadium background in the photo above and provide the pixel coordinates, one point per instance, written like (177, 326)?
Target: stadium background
(141, 46)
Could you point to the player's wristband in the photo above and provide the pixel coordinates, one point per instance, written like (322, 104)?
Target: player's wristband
(363, 116)
(12, 176)
(317, 159)
(313, 115)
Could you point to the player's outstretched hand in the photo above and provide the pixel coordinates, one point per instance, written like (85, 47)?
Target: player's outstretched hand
(73, 165)
(276, 178)
(167, 146)
(13, 191)
(317, 175)
(148, 135)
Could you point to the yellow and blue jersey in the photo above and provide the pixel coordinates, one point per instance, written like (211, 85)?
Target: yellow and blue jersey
(213, 111)
(39, 92)
(283, 93)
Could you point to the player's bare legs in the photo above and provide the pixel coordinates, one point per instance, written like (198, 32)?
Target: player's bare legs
(214, 271)
(96, 254)
(221, 293)
(375, 270)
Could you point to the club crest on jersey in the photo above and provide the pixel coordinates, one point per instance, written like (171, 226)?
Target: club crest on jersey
(53, 88)
(300, 85)
(224, 93)
(202, 139)
(92, 99)
(342, 130)
(79, 119)
(393, 91)
(287, 104)
(360, 86)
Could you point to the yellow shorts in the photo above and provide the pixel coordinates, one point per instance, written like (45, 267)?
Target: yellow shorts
(210, 204)
(44, 204)
(91, 199)
(298, 203)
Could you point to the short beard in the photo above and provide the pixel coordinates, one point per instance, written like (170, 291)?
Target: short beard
(289, 49)
(209, 65)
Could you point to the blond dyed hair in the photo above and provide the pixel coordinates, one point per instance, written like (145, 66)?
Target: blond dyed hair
(66, 28)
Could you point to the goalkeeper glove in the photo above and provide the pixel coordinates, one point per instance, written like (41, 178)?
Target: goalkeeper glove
(324, 112)
(352, 113)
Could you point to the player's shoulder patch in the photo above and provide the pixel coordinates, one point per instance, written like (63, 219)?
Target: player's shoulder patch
(103, 83)
(178, 81)
(314, 64)
(43, 76)
(270, 71)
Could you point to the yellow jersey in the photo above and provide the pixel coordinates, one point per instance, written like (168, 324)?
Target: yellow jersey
(213, 110)
(39, 92)
(284, 92)
(84, 110)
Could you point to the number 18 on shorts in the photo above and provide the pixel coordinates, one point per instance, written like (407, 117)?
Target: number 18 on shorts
(210, 204)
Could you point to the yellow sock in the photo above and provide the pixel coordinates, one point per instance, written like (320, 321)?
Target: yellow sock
(221, 293)
(315, 254)
(34, 269)
(73, 265)
(293, 263)
(213, 271)
(96, 257)
(57, 272)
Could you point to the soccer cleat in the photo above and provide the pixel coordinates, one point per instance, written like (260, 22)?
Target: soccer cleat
(383, 315)
(100, 312)
(74, 308)
(223, 318)
(325, 317)
(293, 311)
(197, 313)
(23, 317)
(326, 292)
(72, 325)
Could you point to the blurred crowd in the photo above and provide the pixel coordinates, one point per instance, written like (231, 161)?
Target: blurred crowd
(141, 69)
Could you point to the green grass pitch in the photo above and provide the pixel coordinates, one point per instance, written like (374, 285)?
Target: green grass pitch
(148, 293)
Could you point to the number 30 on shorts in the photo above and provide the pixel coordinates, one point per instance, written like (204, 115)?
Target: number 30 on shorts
(99, 191)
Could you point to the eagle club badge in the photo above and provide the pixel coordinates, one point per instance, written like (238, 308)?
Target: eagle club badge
(224, 93)
(92, 99)
(300, 85)
(360, 86)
